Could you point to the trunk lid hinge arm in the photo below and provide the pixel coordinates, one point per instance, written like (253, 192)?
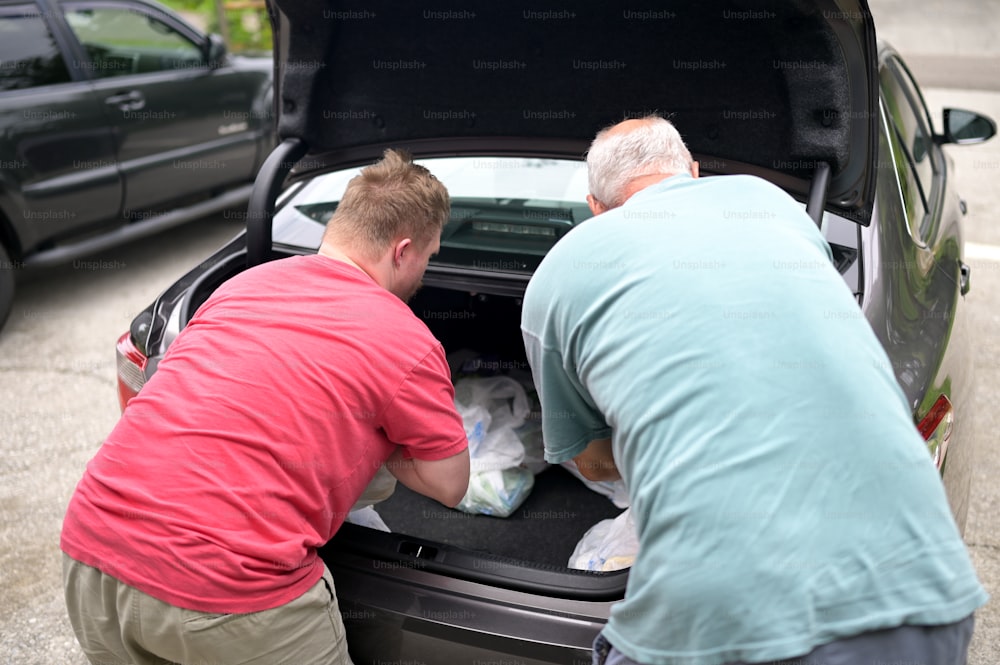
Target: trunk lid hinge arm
(817, 192)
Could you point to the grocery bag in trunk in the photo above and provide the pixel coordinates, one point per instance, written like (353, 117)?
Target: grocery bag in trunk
(492, 408)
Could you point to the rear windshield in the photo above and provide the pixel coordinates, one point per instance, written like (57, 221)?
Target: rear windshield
(506, 212)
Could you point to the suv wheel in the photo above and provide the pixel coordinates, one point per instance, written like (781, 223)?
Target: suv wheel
(6, 285)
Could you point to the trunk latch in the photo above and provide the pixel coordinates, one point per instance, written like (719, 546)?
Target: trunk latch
(417, 550)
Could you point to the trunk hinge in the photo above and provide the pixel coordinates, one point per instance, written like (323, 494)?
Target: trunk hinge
(268, 184)
(817, 193)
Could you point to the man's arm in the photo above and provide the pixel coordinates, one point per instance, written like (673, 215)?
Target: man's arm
(445, 480)
(432, 456)
(597, 461)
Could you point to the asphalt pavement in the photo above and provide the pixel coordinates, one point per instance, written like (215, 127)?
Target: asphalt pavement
(58, 403)
(946, 43)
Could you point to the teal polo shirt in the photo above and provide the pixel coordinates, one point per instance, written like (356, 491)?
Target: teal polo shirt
(782, 495)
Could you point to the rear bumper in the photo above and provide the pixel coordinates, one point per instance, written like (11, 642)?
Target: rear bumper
(397, 611)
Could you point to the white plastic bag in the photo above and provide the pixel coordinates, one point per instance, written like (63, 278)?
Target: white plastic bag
(491, 409)
(530, 434)
(497, 492)
(367, 517)
(608, 545)
(381, 487)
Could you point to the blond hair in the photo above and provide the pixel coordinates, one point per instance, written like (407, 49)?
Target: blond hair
(391, 199)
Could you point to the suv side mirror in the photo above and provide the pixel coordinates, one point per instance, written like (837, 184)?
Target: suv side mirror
(215, 51)
(964, 127)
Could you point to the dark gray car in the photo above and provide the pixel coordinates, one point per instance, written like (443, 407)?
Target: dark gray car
(501, 103)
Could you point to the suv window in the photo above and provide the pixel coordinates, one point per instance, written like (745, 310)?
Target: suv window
(908, 120)
(29, 56)
(121, 41)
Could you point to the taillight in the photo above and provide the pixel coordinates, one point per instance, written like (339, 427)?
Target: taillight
(131, 366)
(936, 427)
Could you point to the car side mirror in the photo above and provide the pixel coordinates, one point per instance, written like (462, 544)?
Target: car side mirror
(215, 51)
(965, 127)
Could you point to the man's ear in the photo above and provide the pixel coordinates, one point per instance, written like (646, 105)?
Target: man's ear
(399, 249)
(596, 207)
(694, 169)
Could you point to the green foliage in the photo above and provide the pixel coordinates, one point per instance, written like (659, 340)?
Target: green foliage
(247, 29)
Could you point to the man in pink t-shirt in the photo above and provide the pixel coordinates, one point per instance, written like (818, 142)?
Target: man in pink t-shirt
(193, 535)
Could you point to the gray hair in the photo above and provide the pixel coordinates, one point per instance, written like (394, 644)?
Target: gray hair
(615, 157)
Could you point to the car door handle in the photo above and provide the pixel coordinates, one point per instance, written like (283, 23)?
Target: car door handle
(966, 277)
(132, 100)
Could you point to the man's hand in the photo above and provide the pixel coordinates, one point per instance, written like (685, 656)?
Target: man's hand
(445, 480)
(597, 462)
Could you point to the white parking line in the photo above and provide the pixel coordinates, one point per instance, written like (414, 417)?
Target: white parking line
(975, 250)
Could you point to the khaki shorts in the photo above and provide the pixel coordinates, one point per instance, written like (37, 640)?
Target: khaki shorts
(119, 625)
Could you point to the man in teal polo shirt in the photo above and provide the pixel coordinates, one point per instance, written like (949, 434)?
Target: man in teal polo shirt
(695, 338)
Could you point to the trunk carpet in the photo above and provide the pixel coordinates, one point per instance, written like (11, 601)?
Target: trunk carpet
(544, 529)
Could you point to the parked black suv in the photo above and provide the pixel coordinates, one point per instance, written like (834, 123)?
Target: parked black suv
(117, 119)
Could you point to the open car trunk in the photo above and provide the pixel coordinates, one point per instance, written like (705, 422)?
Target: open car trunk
(528, 550)
(559, 508)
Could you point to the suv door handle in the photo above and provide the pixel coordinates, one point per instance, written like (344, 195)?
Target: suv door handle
(132, 100)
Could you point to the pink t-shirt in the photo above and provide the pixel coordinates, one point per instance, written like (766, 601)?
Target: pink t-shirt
(262, 425)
